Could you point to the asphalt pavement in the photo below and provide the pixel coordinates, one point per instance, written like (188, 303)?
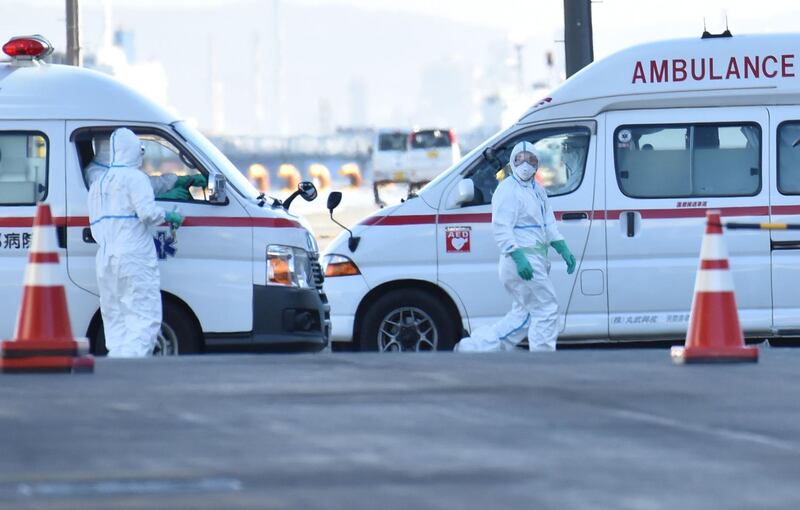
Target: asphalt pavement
(588, 429)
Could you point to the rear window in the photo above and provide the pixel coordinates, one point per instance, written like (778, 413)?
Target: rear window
(23, 168)
(430, 139)
(392, 141)
(688, 160)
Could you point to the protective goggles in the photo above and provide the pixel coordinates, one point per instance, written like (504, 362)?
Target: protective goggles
(526, 157)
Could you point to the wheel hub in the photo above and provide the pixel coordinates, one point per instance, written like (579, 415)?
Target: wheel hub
(166, 341)
(407, 329)
(409, 336)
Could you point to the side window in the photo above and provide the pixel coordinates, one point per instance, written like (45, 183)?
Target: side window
(691, 160)
(562, 163)
(162, 158)
(789, 158)
(23, 167)
(170, 169)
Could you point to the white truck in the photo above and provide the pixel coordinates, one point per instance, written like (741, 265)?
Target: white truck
(415, 157)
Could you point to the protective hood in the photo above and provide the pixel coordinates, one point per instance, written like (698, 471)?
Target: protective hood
(524, 171)
(102, 151)
(126, 149)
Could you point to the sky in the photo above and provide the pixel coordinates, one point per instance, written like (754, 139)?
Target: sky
(374, 62)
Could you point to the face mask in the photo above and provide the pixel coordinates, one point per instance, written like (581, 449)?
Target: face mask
(524, 171)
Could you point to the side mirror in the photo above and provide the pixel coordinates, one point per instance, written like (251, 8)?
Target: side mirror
(219, 192)
(464, 193)
(334, 199)
(307, 190)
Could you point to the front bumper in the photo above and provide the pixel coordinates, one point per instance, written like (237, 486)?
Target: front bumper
(283, 315)
(290, 315)
(345, 294)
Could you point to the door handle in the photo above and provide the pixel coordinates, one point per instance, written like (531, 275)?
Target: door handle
(631, 223)
(571, 216)
(87, 236)
(785, 245)
(61, 235)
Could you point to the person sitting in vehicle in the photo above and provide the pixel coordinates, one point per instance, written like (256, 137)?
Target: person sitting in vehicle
(168, 187)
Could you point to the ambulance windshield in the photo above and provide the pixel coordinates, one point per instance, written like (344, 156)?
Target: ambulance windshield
(223, 164)
(469, 156)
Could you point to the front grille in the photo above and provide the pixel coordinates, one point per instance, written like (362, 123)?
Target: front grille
(316, 271)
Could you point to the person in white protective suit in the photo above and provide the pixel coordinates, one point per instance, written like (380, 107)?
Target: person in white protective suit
(168, 186)
(121, 210)
(524, 227)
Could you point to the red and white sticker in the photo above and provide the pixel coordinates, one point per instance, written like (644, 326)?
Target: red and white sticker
(457, 239)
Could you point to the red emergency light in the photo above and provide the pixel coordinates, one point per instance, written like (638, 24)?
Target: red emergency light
(28, 47)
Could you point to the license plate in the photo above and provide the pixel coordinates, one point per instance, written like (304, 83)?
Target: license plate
(399, 176)
(433, 154)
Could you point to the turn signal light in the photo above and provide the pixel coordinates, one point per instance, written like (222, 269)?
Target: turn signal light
(279, 272)
(339, 265)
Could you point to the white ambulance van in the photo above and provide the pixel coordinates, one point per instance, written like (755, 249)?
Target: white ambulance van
(633, 149)
(240, 271)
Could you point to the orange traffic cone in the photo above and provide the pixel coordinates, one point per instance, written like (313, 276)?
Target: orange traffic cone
(43, 340)
(714, 332)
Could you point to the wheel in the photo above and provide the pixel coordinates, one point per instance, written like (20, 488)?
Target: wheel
(408, 320)
(178, 334)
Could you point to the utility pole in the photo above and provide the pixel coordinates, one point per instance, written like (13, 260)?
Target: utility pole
(578, 43)
(73, 34)
(520, 76)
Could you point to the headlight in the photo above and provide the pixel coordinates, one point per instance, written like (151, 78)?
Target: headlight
(339, 265)
(311, 242)
(289, 267)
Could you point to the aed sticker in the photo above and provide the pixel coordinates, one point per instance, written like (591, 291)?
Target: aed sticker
(624, 136)
(457, 239)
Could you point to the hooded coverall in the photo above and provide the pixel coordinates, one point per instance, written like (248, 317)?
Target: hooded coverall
(522, 218)
(102, 160)
(121, 210)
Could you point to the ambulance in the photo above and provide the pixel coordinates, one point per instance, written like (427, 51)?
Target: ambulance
(633, 150)
(241, 271)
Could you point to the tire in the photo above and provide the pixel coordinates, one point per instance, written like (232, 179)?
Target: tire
(177, 327)
(408, 320)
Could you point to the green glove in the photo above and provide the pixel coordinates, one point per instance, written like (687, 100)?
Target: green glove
(199, 180)
(185, 181)
(173, 218)
(524, 269)
(561, 248)
(176, 193)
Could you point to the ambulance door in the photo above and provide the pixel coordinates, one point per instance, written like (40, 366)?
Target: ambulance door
(785, 202)
(468, 255)
(31, 156)
(211, 256)
(665, 169)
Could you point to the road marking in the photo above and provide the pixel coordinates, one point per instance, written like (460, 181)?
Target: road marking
(735, 435)
(116, 487)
